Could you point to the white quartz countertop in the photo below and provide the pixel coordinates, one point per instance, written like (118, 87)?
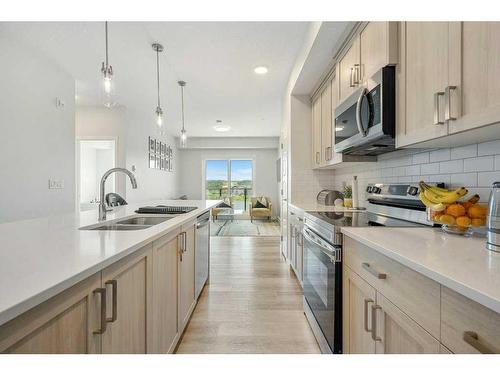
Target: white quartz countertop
(41, 257)
(313, 206)
(459, 263)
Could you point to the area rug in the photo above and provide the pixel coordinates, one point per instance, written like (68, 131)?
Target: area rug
(244, 228)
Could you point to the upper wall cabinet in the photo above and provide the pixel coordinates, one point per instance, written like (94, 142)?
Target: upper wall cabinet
(375, 47)
(446, 82)
(479, 85)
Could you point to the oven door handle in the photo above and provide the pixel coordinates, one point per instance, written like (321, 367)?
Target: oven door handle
(332, 252)
(361, 129)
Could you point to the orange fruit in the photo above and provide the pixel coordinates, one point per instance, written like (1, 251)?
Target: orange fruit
(463, 221)
(455, 210)
(447, 219)
(478, 222)
(466, 204)
(477, 211)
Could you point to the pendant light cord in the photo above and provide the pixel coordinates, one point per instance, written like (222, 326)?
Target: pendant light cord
(106, 32)
(182, 101)
(158, 74)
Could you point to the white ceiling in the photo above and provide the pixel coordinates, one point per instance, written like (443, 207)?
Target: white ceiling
(216, 59)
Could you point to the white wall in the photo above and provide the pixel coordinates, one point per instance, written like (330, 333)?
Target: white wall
(192, 173)
(37, 139)
(152, 183)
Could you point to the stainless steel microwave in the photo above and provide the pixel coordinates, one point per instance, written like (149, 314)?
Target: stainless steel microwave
(365, 123)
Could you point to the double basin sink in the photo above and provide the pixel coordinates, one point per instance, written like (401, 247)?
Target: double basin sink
(131, 223)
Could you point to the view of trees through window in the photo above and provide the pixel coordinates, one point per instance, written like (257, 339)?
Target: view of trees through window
(229, 178)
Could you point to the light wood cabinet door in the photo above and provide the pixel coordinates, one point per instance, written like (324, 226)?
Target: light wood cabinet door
(378, 47)
(348, 71)
(358, 297)
(186, 276)
(326, 124)
(479, 89)
(397, 333)
(128, 283)
(165, 293)
(316, 132)
(64, 324)
(423, 78)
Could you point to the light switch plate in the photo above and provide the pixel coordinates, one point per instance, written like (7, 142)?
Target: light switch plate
(56, 184)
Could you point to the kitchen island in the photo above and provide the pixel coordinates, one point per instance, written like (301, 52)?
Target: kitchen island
(45, 257)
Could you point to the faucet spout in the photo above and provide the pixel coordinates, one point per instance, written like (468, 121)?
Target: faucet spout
(102, 204)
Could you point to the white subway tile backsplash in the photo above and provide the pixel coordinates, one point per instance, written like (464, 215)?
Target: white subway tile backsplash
(439, 155)
(475, 167)
(412, 170)
(479, 164)
(421, 158)
(464, 179)
(497, 162)
(452, 166)
(431, 168)
(488, 148)
(463, 152)
(486, 179)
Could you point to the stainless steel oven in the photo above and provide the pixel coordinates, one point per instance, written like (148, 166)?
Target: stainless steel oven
(365, 121)
(322, 285)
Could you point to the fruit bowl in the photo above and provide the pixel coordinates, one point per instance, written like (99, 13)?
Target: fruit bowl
(455, 212)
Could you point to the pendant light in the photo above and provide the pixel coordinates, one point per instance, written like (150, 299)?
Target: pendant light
(107, 75)
(183, 137)
(159, 112)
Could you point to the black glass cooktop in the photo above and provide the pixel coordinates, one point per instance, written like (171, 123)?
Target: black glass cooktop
(360, 219)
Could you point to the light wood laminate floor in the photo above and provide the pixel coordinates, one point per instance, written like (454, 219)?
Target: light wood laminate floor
(252, 304)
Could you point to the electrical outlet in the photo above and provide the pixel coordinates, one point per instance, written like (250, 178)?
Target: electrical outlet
(56, 184)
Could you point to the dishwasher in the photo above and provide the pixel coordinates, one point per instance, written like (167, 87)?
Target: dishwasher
(202, 251)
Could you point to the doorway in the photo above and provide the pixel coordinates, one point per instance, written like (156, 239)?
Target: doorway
(94, 157)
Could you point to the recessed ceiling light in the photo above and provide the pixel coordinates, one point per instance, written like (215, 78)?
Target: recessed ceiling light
(260, 69)
(220, 127)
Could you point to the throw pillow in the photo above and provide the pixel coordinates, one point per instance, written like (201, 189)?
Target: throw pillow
(258, 204)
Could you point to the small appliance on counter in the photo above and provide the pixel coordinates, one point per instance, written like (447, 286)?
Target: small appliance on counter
(389, 205)
(493, 219)
(327, 197)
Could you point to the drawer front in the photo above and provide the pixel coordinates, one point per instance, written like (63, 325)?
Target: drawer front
(468, 327)
(415, 294)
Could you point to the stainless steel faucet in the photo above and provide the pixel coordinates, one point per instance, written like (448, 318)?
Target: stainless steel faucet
(102, 204)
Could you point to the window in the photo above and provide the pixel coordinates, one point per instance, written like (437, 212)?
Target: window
(229, 178)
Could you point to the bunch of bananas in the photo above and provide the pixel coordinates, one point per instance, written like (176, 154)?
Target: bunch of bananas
(437, 198)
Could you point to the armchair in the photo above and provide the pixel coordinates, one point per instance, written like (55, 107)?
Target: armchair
(264, 212)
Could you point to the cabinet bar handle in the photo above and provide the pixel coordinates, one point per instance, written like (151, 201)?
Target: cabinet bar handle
(436, 108)
(447, 99)
(102, 292)
(357, 71)
(472, 339)
(374, 323)
(378, 275)
(351, 79)
(367, 301)
(184, 246)
(317, 157)
(114, 313)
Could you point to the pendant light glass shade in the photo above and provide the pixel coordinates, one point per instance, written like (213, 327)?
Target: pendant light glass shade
(158, 112)
(183, 137)
(107, 85)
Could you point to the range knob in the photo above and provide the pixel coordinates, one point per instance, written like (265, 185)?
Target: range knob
(369, 189)
(412, 190)
(376, 190)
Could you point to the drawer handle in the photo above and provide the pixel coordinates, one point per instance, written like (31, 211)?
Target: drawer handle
(378, 275)
(472, 339)
(367, 301)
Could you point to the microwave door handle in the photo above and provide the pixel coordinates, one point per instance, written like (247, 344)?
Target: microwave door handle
(362, 131)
